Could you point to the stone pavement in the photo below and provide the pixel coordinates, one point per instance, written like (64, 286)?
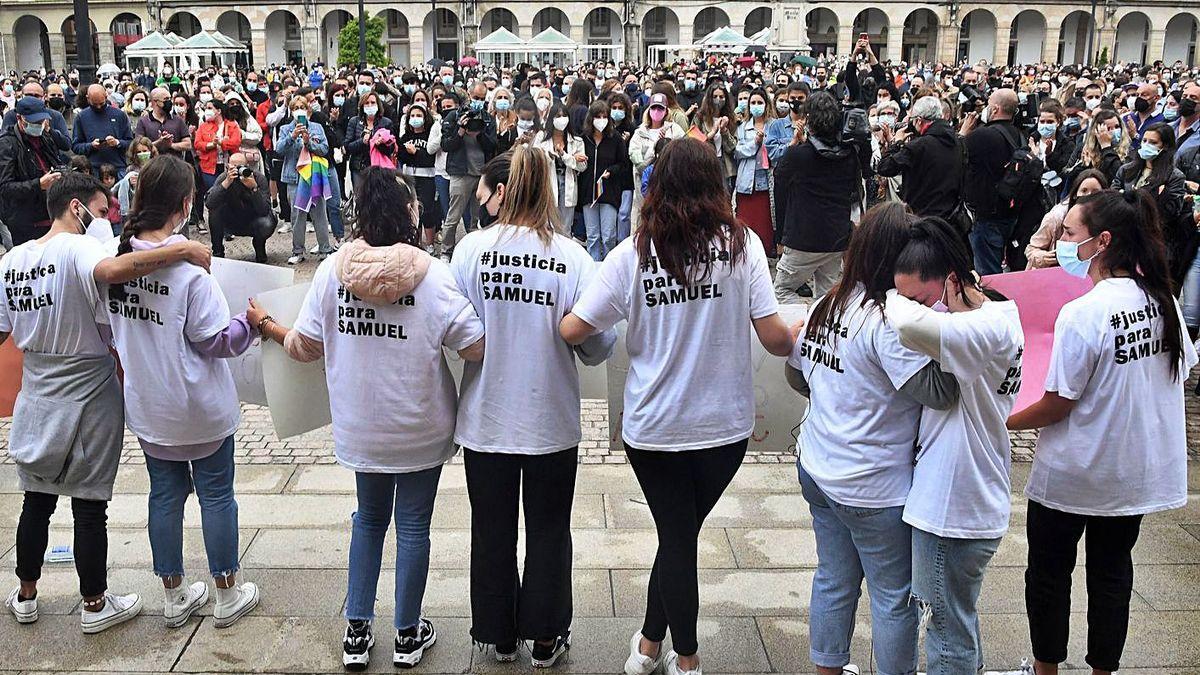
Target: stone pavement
(757, 559)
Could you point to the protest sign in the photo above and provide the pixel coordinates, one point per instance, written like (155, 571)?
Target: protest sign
(240, 281)
(1040, 295)
(297, 393)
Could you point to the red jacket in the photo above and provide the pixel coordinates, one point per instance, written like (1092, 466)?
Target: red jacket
(260, 114)
(206, 133)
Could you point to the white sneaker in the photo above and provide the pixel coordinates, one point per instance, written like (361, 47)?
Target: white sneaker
(234, 603)
(316, 248)
(638, 663)
(671, 665)
(850, 669)
(183, 601)
(25, 611)
(1025, 669)
(295, 260)
(286, 229)
(310, 228)
(117, 609)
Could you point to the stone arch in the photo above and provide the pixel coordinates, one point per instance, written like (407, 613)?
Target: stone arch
(707, 20)
(977, 36)
(822, 27)
(602, 26)
(497, 18)
(920, 36)
(126, 29)
(68, 33)
(32, 40)
(1133, 39)
(183, 24)
(443, 34)
(330, 28)
(875, 24)
(758, 19)
(1073, 37)
(660, 26)
(396, 36)
(234, 24)
(1027, 37)
(1181, 39)
(551, 17)
(283, 38)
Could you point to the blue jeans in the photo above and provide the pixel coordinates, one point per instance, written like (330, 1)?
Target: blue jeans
(988, 238)
(334, 206)
(947, 579)
(1191, 294)
(601, 223)
(410, 496)
(852, 543)
(170, 484)
(624, 215)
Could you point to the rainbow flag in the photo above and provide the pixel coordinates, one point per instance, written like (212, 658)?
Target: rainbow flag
(313, 188)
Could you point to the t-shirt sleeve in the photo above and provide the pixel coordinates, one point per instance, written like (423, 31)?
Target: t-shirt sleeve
(207, 310)
(899, 362)
(463, 326)
(762, 291)
(1074, 356)
(310, 322)
(587, 271)
(972, 340)
(86, 253)
(607, 298)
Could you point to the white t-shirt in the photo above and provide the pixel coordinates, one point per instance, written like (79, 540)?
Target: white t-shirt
(173, 395)
(524, 397)
(50, 296)
(690, 383)
(961, 483)
(391, 393)
(1123, 449)
(859, 436)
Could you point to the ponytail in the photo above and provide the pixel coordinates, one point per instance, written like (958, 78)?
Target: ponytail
(934, 251)
(164, 185)
(528, 197)
(1137, 251)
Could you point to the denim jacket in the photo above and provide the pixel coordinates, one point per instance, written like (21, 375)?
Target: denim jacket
(289, 148)
(746, 154)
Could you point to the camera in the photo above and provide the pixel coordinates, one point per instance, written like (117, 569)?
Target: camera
(856, 126)
(474, 122)
(970, 98)
(245, 172)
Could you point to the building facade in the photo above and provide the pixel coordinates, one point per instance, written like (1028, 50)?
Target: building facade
(40, 33)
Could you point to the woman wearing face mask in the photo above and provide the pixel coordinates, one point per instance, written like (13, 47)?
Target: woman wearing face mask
(302, 142)
(506, 119)
(512, 442)
(1154, 171)
(598, 185)
(675, 112)
(396, 457)
(359, 130)
(753, 188)
(624, 126)
(213, 140)
(141, 150)
(716, 121)
(656, 124)
(1112, 415)
(566, 150)
(135, 105)
(180, 398)
(416, 163)
(959, 502)
(544, 100)
(1040, 251)
(742, 108)
(1104, 146)
(1048, 140)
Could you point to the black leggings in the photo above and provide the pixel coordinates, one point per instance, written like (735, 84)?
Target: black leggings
(681, 488)
(1053, 542)
(90, 545)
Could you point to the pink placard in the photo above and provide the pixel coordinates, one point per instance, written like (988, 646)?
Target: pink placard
(1040, 295)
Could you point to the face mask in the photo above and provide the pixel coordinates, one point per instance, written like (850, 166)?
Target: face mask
(99, 228)
(138, 106)
(561, 123)
(986, 116)
(477, 105)
(410, 89)
(251, 86)
(719, 102)
(208, 115)
(503, 104)
(689, 84)
(143, 157)
(887, 120)
(1140, 104)
(506, 83)
(524, 126)
(940, 305)
(534, 91)
(339, 100)
(646, 92)
(784, 107)
(741, 107)
(34, 129)
(1187, 107)
(1067, 253)
(1116, 135)
(657, 114)
(167, 72)
(543, 104)
(205, 98)
(416, 122)
(1169, 114)
(1092, 103)
(1148, 152)
(1131, 102)
(600, 123)
(370, 110)
(447, 80)
(1071, 123)
(618, 115)
(179, 110)
(363, 89)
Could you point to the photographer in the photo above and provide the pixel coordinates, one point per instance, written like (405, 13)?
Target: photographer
(239, 203)
(28, 167)
(469, 139)
(989, 150)
(929, 160)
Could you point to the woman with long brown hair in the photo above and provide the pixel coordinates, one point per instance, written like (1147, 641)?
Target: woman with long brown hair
(689, 273)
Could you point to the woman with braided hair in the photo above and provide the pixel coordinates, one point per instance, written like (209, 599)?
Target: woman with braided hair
(172, 330)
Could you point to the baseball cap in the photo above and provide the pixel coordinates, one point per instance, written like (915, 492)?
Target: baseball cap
(658, 100)
(32, 109)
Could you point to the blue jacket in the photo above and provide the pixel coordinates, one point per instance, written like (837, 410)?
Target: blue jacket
(745, 153)
(289, 148)
(91, 125)
(59, 134)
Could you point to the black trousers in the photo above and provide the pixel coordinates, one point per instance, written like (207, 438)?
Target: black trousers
(681, 489)
(504, 607)
(1053, 541)
(259, 229)
(90, 545)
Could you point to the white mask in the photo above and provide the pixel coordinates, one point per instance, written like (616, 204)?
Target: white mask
(98, 228)
(561, 123)
(600, 123)
(543, 104)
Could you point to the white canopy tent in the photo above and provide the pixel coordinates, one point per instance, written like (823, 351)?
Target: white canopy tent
(501, 45)
(160, 48)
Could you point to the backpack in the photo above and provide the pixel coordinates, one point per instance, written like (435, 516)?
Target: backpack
(1021, 177)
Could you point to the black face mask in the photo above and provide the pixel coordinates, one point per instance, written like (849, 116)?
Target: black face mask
(1141, 105)
(56, 103)
(1187, 107)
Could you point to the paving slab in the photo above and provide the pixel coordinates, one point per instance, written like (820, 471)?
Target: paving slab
(1168, 587)
(247, 479)
(130, 547)
(258, 644)
(773, 548)
(56, 643)
(448, 593)
(283, 592)
(787, 644)
(733, 510)
(726, 592)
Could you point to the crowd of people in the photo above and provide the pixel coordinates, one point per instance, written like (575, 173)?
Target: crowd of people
(595, 194)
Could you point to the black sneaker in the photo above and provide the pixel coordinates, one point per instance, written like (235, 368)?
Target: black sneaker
(805, 291)
(506, 653)
(412, 643)
(545, 656)
(356, 645)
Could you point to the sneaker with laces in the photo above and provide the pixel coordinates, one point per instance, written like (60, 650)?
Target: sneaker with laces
(671, 666)
(285, 229)
(638, 663)
(234, 603)
(117, 609)
(850, 669)
(295, 260)
(507, 653)
(183, 601)
(310, 228)
(412, 643)
(545, 656)
(357, 644)
(25, 611)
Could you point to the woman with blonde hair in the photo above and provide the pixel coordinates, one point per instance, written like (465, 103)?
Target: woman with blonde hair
(1104, 147)
(519, 426)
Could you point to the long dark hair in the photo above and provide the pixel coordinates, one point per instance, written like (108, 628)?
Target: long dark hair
(686, 208)
(934, 250)
(709, 111)
(1137, 252)
(164, 184)
(1161, 166)
(869, 260)
(382, 217)
(1096, 174)
(581, 92)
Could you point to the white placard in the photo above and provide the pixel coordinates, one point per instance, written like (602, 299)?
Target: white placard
(297, 393)
(240, 281)
(778, 409)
